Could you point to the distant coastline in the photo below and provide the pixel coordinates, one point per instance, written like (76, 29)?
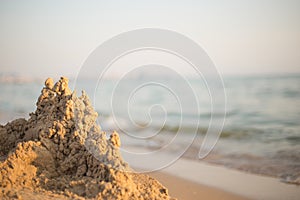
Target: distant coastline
(15, 78)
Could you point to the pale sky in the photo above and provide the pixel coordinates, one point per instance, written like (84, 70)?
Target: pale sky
(50, 38)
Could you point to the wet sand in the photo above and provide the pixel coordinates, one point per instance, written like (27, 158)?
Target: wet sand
(184, 189)
(193, 177)
(46, 156)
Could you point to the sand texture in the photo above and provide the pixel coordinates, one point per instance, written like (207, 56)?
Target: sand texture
(61, 153)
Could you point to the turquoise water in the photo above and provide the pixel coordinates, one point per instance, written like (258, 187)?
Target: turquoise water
(262, 113)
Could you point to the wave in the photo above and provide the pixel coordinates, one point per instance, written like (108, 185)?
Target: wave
(228, 133)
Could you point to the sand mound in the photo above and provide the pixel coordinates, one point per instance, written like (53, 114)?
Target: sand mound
(61, 153)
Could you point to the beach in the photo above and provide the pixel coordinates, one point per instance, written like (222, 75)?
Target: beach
(48, 146)
(60, 152)
(185, 189)
(188, 178)
(150, 100)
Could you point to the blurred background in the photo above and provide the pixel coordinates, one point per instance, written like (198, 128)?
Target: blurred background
(255, 46)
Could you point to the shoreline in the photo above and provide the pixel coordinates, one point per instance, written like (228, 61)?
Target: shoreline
(204, 176)
(224, 181)
(190, 179)
(184, 189)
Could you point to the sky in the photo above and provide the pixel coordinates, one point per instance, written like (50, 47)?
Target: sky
(51, 37)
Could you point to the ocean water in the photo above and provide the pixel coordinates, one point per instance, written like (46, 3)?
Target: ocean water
(261, 133)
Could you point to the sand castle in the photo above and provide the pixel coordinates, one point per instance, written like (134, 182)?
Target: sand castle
(60, 152)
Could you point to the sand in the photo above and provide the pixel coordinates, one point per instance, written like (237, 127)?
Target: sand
(185, 190)
(232, 181)
(60, 152)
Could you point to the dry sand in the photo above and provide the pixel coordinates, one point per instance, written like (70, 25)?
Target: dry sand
(61, 153)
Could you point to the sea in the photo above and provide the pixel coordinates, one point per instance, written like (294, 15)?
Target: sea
(255, 124)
